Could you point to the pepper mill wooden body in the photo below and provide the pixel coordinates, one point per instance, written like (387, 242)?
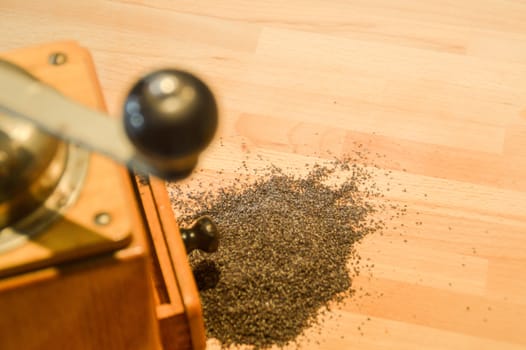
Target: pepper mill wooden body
(112, 272)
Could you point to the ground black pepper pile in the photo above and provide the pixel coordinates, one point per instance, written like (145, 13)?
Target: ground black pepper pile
(285, 248)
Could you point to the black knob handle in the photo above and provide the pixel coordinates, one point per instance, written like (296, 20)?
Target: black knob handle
(202, 235)
(170, 116)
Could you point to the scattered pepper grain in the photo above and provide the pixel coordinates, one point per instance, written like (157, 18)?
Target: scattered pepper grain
(285, 248)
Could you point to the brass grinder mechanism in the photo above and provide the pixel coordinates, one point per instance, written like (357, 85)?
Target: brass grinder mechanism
(169, 117)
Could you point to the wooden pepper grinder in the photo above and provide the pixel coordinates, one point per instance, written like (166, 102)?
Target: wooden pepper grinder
(96, 260)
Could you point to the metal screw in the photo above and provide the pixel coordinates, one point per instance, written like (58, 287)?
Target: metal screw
(102, 219)
(62, 200)
(57, 58)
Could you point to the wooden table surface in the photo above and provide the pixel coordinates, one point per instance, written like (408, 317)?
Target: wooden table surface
(439, 87)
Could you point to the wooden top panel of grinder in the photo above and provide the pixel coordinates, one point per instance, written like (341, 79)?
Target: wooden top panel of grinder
(98, 220)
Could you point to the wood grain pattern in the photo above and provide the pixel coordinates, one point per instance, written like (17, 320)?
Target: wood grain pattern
(439, 87)
(180, 266)
(81, 306)
(177, 299)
